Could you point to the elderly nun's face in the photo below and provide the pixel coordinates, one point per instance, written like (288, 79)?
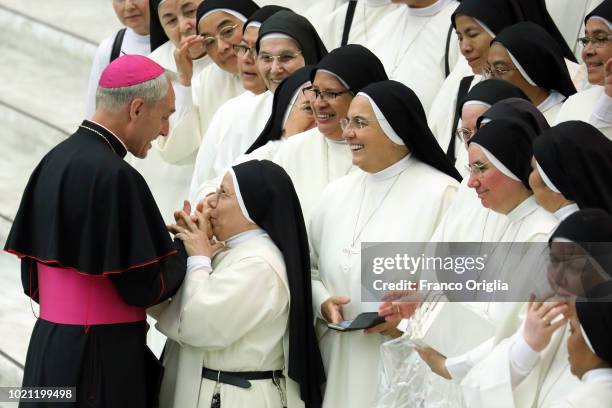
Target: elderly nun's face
(597, 53)
(545, 197)
(495, 190)
(226, 217)
(133, 14)
(251, 80)
(474, 42)
(331, 105)
(372, 150)
(178, 19)
(220, 32)
(277, 59)
(300, 117)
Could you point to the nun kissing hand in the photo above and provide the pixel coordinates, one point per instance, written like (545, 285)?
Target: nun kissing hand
(195, 234)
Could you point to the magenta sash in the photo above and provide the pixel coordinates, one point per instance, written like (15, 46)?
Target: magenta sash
(69, 297)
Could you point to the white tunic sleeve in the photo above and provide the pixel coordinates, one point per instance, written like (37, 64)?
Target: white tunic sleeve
(100, 62)
(185, 137)
(319, 292)
(212, 311)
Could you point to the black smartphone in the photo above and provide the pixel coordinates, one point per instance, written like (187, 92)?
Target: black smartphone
(361, 322)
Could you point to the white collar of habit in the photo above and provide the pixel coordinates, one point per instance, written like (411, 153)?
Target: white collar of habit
(393, 170)
(237, 239)
(522, 210)
(429, 11)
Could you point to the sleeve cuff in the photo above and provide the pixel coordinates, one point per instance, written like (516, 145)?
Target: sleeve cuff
(183, 96)
(602, 113)
(198, 263)
(522, 357)
(319, 295)
(458, 367)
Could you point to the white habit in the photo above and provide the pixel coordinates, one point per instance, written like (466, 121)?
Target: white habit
(319, 8)
(186, 133)
(297, 6)
(595, 391)
(404, 202)
(330, 26)
(133, 43)
(232, 130)
(515, 376)
(210, 326)
(592, 106)
(466, 220)
(313, 161)
(528, 222)
(411, 43)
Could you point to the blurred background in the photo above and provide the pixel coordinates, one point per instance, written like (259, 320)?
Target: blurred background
(46, 51)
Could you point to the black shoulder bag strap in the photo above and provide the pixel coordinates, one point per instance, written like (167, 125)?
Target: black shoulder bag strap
(464, 87)
(348, 21)
(116, 50)
(447, 51)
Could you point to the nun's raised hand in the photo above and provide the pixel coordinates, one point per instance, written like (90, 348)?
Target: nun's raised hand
(195, 235)
(608, 78)
(435, 361)
(399, 304)
(184, 63)
(542, 321)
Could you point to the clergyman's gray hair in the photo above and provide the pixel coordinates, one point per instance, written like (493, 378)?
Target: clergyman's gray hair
(116, 99)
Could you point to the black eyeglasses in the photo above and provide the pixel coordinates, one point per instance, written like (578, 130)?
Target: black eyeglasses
(313, 93)
(226, 34)
(597, 41)
(241, 50)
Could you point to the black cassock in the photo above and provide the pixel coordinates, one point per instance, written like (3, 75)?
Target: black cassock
(86, 208)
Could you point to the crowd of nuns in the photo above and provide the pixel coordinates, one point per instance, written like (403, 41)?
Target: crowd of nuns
(486, 121)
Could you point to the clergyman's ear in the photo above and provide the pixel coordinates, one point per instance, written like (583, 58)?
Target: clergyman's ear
(136, 108)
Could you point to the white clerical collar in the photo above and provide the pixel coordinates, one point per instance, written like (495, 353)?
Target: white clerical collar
(334, 141)
(393, 170)
(597, 375)
(429, 11)
(524, 209)
(114, 135)
(554, 99)
(564, 212)
(238, 239)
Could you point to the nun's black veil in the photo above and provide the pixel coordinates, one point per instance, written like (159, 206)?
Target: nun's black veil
(282, 98)
(272, 203)
(404, 112)
(521, 109)
(577, 158)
